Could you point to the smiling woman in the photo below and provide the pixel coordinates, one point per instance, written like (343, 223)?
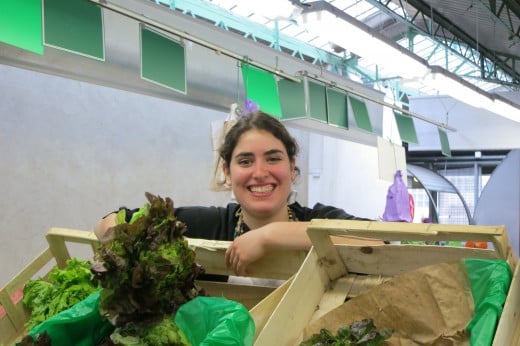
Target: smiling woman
(259, 162)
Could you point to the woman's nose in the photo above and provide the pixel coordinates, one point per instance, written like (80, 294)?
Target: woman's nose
(260, 169)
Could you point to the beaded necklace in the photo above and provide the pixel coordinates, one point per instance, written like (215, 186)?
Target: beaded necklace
(241, 227)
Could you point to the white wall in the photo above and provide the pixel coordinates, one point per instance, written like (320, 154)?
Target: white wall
(346, 174)
(72, 151)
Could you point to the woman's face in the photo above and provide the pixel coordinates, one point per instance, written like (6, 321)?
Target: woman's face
(260, 173)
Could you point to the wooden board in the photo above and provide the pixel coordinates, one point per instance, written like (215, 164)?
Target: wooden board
(508, 329)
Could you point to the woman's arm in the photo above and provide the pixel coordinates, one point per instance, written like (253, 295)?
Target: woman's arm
(253, 245)
(102, 227)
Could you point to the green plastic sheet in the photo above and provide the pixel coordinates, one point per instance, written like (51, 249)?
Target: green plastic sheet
(490, 280)
(80, 325)
(204, 320)
(215, 321)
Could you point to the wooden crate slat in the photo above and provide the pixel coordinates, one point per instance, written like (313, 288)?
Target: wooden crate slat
(397, 259)
(335, 296)
(508, 329)
(8, 331)
(328, 255)
(247, 295)
(28, 272)
(501, 245)
(262, 311)
(14, 315)
(404, 230)
(13, 322)
(271, 266)
(295, 309)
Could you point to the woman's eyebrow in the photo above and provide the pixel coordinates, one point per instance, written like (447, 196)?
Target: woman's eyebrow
(273, 151)
(250, 154)
(244, 154)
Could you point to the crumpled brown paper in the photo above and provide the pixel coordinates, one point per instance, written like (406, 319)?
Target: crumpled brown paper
(428, 306)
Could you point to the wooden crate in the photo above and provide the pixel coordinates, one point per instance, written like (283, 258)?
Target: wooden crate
(332, 273)
(260, 300)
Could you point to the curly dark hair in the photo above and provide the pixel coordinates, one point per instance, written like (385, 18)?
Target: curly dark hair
(260, 121)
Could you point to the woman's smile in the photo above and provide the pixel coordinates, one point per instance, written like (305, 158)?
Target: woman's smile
(262, 189)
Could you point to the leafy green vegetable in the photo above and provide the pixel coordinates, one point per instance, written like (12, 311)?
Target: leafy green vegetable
(362, 332)
(64, 288)
(147, 270)
(163, 333)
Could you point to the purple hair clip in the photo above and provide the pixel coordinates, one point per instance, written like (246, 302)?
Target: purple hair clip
(250, 107)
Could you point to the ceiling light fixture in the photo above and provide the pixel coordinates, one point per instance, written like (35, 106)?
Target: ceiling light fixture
(345, 31)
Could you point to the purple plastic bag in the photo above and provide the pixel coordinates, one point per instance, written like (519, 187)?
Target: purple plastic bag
(397, 201)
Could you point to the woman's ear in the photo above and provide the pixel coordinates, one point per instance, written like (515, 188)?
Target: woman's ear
(227, 174)
(293, 170)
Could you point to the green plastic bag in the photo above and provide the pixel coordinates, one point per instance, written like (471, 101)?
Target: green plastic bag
(80, 325)
(215, 321)
(204, 320)
(490, 280)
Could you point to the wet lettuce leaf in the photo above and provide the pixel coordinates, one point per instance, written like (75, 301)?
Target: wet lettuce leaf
(362, 332)
(63, 288)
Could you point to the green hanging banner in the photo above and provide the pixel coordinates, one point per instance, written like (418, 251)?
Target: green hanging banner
(75, 26)
(163, 60)
(406, 128)
(292, 99)
(359, 108)
(337, 108)
(445, 144)
(261, 88)
(21, 24)
(317, 101)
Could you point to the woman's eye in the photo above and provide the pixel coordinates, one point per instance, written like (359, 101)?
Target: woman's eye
(244, 162)
(274, 159)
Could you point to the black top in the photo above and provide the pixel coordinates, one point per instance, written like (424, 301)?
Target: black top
(218, 223)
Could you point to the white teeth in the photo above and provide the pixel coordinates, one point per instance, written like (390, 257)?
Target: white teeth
(262, 189)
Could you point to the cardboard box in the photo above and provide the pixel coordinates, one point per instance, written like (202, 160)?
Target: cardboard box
(332, 273)
(260, 300)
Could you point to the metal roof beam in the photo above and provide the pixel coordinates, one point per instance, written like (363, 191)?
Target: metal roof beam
(452, 37)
